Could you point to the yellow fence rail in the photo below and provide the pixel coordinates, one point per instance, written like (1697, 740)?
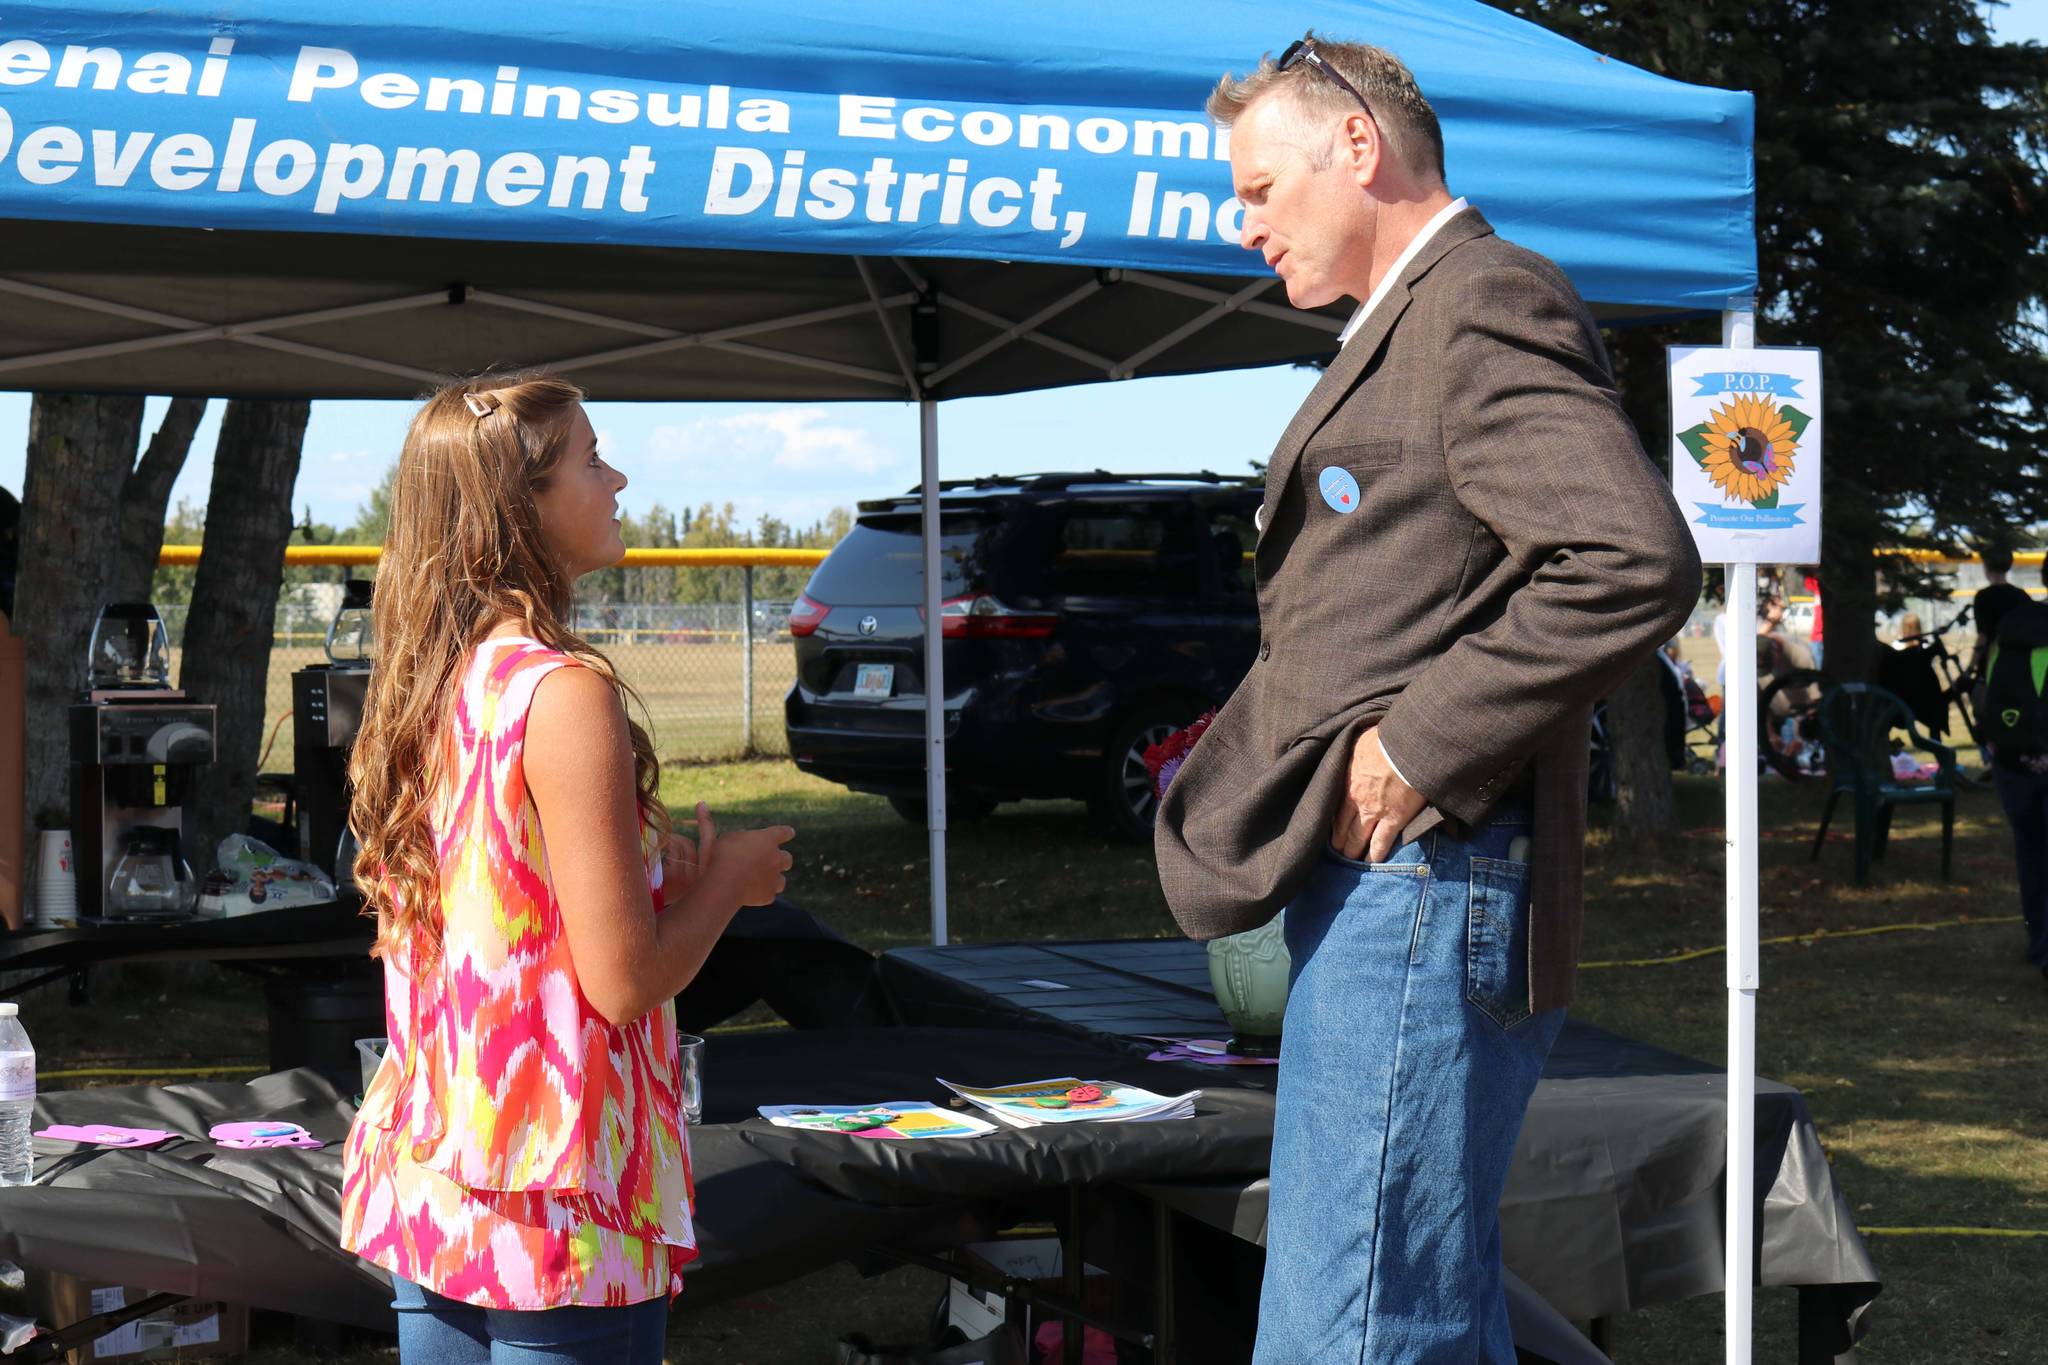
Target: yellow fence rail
(711, 673)
(1937, 557)
(185, 556)
(344, 556)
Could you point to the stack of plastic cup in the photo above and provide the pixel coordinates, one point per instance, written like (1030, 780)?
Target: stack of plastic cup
(55, 902)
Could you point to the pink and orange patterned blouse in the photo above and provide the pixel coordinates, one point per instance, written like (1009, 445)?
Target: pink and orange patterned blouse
(515, 1150)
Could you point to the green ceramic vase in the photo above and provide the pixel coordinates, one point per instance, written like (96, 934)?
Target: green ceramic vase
(1248, 972)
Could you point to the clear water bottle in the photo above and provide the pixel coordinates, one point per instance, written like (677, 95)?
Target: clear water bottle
(17, 1098)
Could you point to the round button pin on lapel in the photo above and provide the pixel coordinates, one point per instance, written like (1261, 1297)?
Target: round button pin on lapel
(1339, 489)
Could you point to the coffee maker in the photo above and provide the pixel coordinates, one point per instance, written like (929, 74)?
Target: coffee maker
(327, 709)
(135, 744)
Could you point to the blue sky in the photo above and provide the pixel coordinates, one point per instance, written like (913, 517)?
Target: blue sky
(798, 461)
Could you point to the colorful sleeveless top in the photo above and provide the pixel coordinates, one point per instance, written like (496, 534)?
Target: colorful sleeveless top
(515, 1150)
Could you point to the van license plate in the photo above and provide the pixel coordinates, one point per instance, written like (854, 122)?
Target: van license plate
(873, 680)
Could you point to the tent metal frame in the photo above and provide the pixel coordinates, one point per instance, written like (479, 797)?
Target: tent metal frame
(918, 378)
(1739, 730)
(261, 331)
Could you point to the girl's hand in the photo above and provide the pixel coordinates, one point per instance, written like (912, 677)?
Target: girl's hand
(680, 867)
(748, 866)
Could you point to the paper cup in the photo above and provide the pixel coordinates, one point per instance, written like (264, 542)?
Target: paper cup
(53, 854)
(52, 911)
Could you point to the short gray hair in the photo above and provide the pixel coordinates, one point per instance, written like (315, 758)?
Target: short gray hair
(1405, 118)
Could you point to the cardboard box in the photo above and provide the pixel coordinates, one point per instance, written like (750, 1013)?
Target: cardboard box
(196, 1329)
(1035, 1259)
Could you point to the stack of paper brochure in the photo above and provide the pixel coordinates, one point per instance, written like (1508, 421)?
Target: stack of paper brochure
(1068, 1099)
(890, 1119)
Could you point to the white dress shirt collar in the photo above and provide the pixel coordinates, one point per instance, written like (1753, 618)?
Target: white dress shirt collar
(1379, 291)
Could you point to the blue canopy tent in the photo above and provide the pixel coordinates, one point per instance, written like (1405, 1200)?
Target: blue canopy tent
(762, 200)
(1073, 153)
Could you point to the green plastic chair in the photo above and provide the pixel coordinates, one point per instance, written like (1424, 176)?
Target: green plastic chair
(1856, 724)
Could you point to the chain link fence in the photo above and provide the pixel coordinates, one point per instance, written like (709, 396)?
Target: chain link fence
(712, 675)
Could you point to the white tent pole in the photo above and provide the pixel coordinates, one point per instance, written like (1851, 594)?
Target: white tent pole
(934, 664)
(1739, 736)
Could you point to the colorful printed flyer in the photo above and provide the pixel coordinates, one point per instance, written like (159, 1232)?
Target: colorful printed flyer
(1068, 1099)
(1746, 451)
(892, 1119)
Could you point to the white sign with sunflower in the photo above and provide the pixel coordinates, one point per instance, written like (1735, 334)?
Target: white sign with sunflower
(1745, 451)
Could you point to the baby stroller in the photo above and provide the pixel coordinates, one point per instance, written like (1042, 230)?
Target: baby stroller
(1700, 726)
(1690, 718)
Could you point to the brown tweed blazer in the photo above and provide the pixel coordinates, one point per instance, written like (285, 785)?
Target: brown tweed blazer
(1513, 555)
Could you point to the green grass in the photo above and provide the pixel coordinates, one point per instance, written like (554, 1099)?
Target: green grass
(1037, 869)
(1920, 1053)
(693, 695)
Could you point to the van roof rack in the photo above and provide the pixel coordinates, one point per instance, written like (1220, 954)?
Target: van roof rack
(1068, 479)
(991, 483)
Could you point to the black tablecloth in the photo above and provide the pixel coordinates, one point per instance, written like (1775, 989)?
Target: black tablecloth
(260, 1227)
(334, 929)
(1614, 1201)
(809, 975)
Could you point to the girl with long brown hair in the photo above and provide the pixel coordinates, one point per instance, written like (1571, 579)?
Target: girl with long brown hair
(519, 1164)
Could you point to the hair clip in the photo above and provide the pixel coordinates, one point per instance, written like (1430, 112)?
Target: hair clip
(481, 404)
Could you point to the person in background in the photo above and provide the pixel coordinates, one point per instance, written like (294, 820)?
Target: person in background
(1812, 585)
(1778, 650)
(2010, 700)
(1671, 681)
(1907, 671)
(519, 1163)
(1993, 601)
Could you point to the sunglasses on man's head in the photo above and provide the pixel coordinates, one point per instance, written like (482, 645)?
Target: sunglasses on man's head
(1302, 51)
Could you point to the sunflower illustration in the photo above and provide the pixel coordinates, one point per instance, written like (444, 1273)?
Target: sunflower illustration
(1749, 446)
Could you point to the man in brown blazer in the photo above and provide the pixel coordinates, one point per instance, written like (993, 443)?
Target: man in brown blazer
(1463, 547)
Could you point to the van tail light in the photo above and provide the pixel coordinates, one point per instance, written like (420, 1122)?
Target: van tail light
(806, 615)
(981, 617)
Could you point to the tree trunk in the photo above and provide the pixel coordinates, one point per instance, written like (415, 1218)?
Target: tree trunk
(80, 448)
(1848, 580)
(229, 626)
(144, 497)
(1647, 802)
(1646, 807)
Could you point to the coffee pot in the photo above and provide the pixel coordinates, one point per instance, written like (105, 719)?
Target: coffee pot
(150, 879)
(130, 649)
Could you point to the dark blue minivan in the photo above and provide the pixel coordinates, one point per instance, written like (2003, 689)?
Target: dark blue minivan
(1084, 616)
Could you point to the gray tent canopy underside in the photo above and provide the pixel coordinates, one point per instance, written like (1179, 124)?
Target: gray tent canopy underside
(101, 308)
(168, 311)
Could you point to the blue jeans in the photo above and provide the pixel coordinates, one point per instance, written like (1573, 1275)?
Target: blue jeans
(433, 1330)
(2025, 798)
(1407, 1061)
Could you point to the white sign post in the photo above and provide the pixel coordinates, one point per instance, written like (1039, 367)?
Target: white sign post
(1745, 467)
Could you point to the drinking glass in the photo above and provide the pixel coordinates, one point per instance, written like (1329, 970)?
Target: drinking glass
(692, 1049)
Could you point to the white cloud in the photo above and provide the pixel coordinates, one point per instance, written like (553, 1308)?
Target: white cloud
(675, 443)
(311, 460)
(805, 440)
